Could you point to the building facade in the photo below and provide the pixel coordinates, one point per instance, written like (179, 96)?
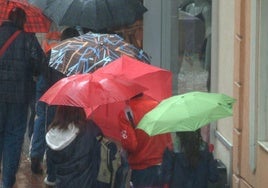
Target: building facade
(250, 131)
(239, 67)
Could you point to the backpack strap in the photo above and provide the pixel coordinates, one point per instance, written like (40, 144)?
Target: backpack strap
(9, 41)
(129, 116)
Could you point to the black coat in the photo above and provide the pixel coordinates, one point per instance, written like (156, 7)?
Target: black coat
(77, 164)
(178, 173)
(20, 62)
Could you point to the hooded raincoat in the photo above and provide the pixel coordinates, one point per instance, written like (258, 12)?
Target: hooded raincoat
(76, 155)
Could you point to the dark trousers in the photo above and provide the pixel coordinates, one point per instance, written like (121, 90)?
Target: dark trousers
(13, 121)
(149, 177)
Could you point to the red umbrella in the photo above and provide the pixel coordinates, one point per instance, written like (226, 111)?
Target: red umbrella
(90, 91)
(157, 80)
(106, 116)
(36, 22)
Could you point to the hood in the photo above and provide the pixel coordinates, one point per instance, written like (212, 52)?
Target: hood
(58, 139)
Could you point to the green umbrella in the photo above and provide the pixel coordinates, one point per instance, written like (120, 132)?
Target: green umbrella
(186, 112)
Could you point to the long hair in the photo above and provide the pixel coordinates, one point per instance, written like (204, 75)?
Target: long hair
(190, 145)
(69, 114)
(18, 17)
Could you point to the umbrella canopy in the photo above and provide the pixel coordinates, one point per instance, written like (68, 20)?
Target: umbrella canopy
(42, 4)
(90, 51)
(106, 116)
(157, 80)
(90, 91)
(93, 14)
(36, 21)
(187, 112)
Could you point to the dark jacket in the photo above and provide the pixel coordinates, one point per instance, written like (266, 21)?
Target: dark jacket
(50, 74)
(179, 174)
(21, 61)
(76, 160)
(47, 78)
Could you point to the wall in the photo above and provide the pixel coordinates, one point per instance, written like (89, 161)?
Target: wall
(226, 58)
(241, 170)
(249, 172)
(222, 74)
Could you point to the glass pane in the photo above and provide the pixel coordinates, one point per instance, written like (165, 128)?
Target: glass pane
(195, 48)
(263, 76)
(194, 45)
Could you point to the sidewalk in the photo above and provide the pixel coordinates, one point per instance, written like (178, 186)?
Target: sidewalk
(25, 178)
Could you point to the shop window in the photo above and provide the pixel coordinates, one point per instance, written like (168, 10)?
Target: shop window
(194, 45)
(262, 86)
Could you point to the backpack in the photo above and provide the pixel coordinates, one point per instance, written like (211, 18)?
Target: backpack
(113, 169)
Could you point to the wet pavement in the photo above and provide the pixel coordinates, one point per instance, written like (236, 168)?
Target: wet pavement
(25, 178)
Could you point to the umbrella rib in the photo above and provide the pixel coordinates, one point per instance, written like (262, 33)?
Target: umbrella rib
(69, 61)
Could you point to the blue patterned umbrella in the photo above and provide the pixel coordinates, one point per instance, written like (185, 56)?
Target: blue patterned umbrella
(90, 51)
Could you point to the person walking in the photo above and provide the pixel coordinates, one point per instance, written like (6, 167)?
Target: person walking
(144, 152)
(20, 62)
(44, 114)
(191, 165)
(73, 148)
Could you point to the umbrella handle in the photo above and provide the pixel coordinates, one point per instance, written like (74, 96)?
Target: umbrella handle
(79, 29)
(129, 116)
(131, 120)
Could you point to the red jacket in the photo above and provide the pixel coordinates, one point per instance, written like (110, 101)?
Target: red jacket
(143, 151)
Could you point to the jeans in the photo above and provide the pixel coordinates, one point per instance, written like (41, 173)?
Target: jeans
(42, 119)
(44, 116)
(13, 121)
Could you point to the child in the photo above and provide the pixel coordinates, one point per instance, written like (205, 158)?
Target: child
(73, 148)
(192, 166)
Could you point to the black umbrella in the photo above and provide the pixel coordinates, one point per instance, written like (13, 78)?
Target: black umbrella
(38, 3)
(93, 14)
